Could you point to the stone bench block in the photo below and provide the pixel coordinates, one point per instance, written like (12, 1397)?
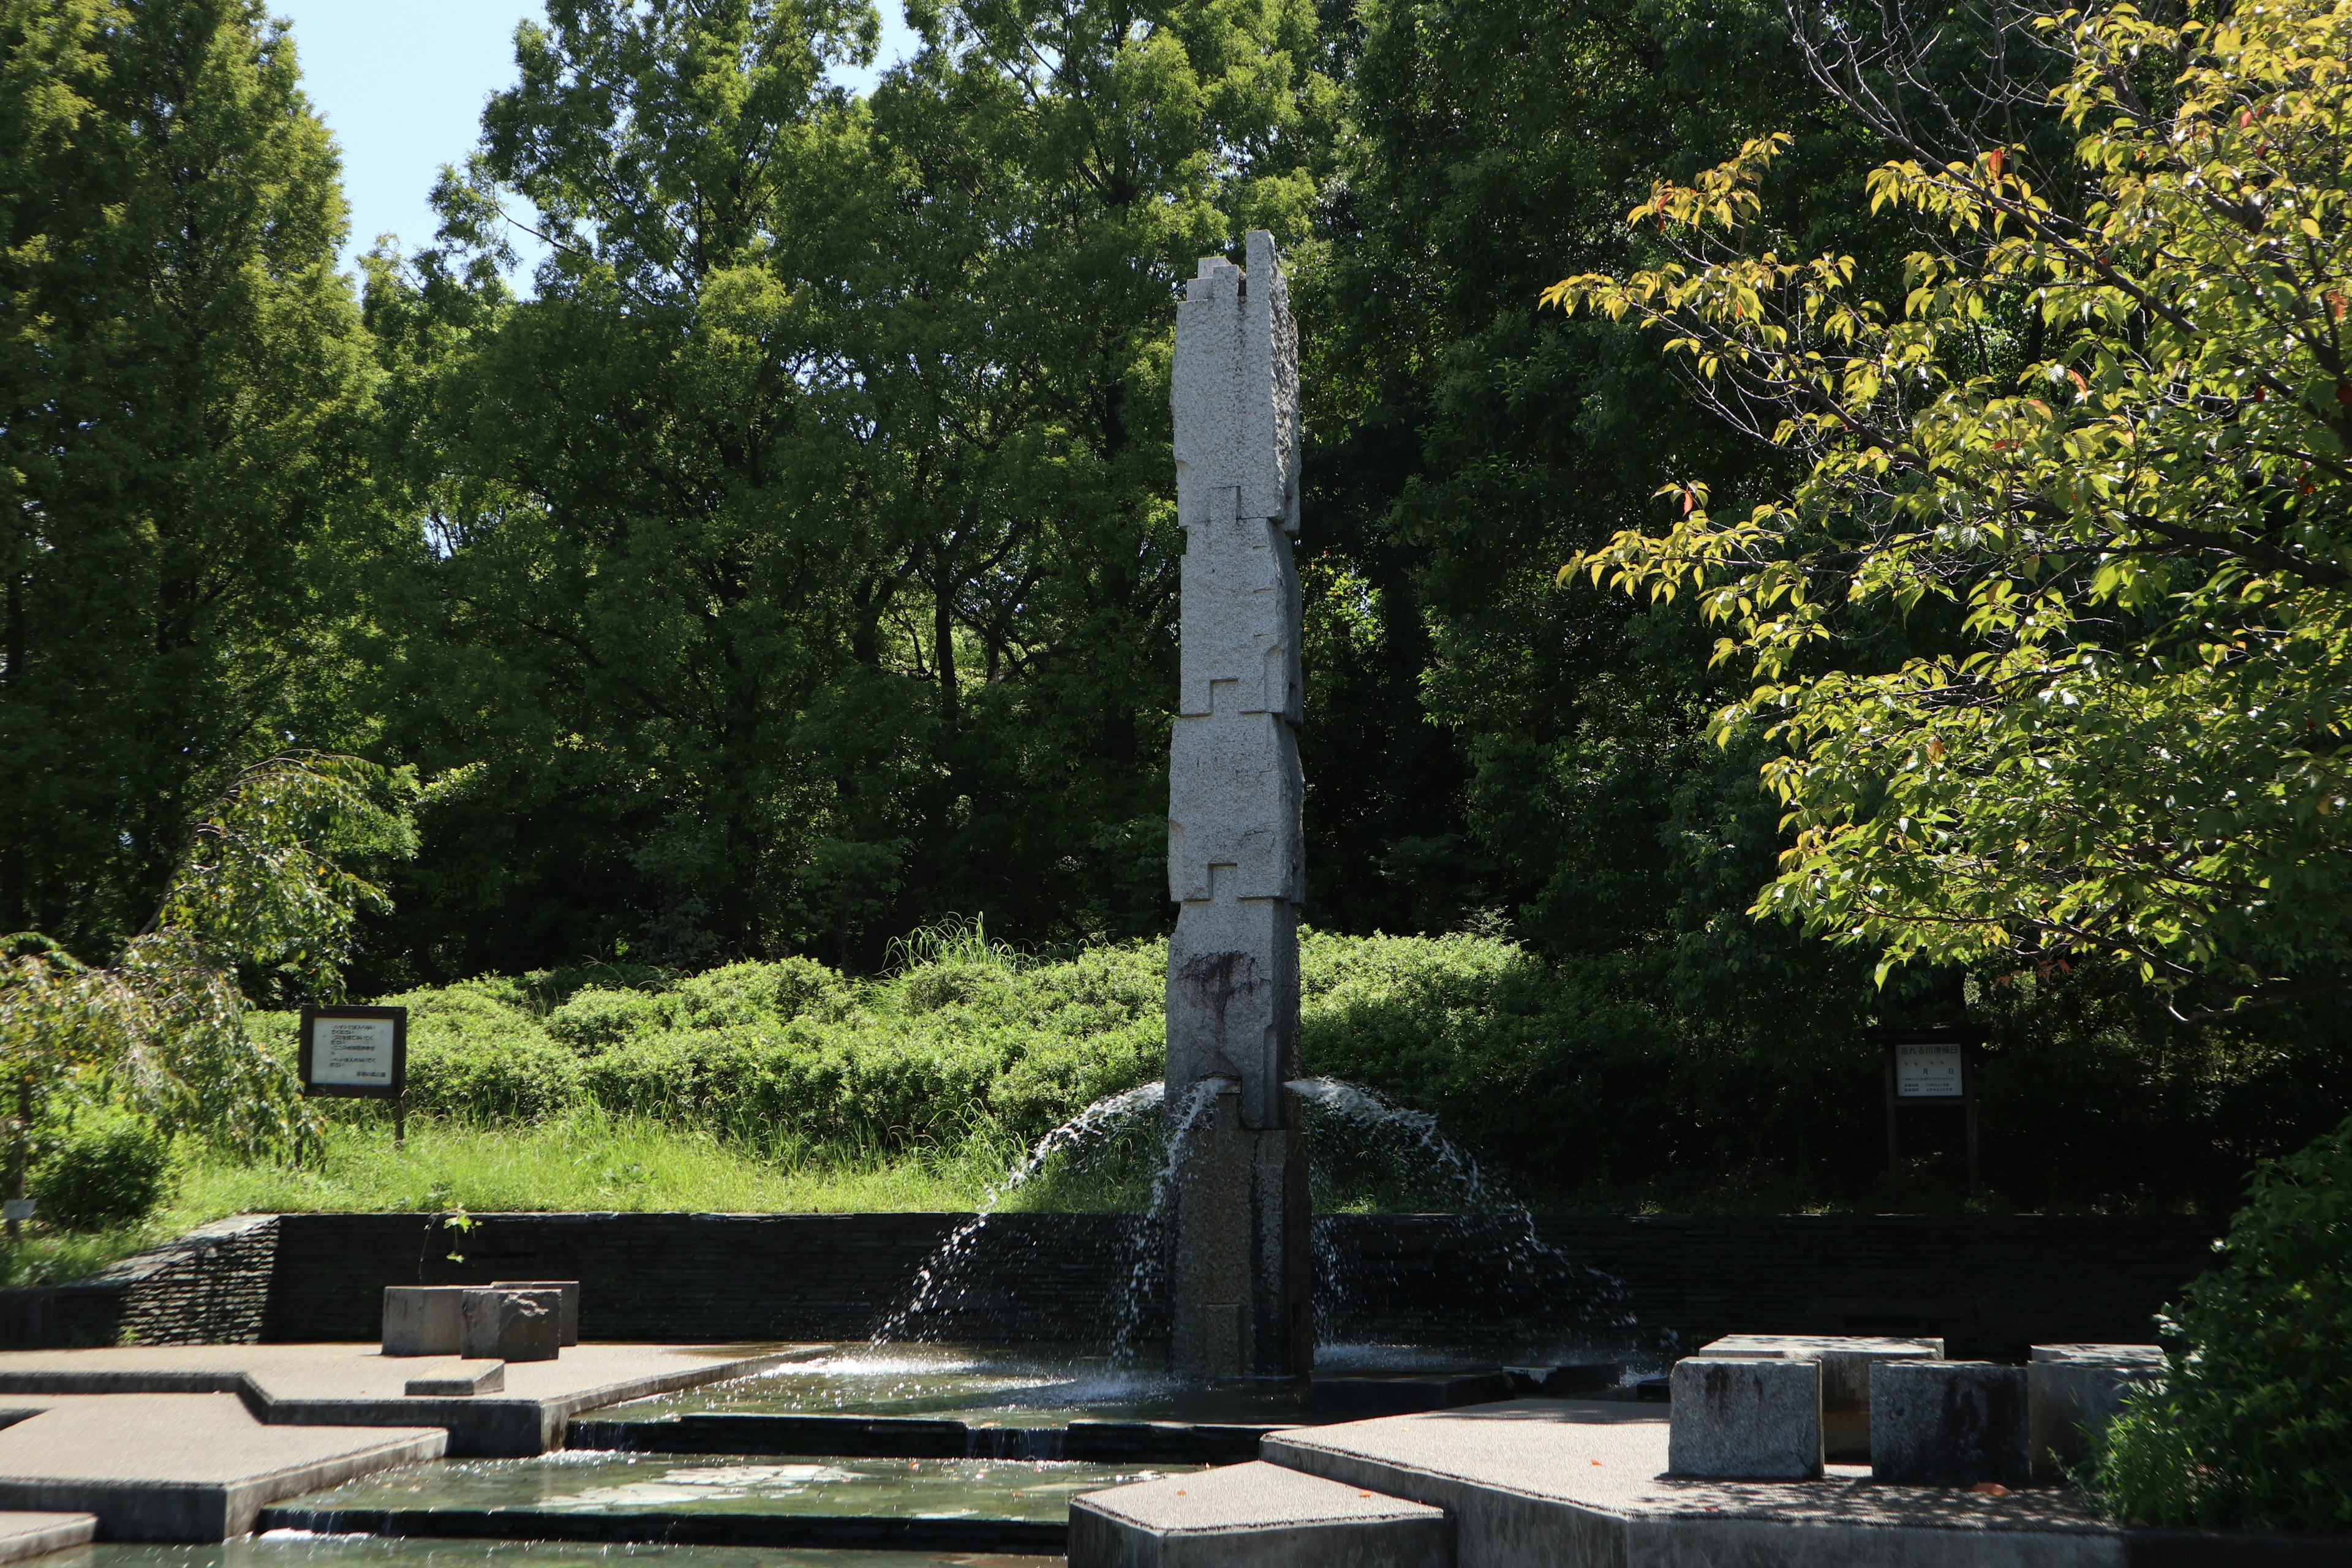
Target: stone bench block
(1948, 1424)
(423, 1320)
(1254, 1516)
(460, 1381)
(512, 1325)
(567, 1328)
(1847, 1361)
(2072, 1392)
(1746, 1419)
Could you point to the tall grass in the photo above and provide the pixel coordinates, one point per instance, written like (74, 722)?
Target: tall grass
(587, 1161)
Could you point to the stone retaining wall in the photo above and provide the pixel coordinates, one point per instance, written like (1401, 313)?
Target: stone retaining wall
(208, 1287)
(1991, 1284)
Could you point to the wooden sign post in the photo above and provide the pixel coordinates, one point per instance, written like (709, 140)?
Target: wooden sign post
(1926, 1067)
(358, 1053)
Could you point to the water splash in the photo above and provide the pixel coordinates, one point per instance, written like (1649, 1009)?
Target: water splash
(1483, 1203)
(1149, 1259)
(942, 1272)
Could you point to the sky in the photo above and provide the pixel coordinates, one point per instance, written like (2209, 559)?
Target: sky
(401, 83)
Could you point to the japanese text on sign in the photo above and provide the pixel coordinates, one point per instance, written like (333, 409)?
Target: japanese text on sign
(1928, 1072)
(354, 1053)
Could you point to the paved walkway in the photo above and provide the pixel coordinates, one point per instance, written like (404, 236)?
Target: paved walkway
(189, 1442)
(357, 1386)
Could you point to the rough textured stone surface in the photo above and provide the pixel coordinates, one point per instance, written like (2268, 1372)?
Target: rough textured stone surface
(1948, 1424)
(1237, 1271)
(1254, 1516)
(1751, 1419)
(1845, 1362)
(567, 1327)
(2073, 1391)
(512, 1325)
(423, 1320)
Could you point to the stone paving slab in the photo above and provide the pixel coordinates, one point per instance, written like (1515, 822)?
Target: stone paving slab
(1254, 1516)
(357, 1386)
(1564, 1484)
(27, 1534)
(180, 1467)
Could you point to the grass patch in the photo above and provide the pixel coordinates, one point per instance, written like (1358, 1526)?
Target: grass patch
(582, 1162)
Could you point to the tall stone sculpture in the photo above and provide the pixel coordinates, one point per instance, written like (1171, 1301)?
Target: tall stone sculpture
(1238, 1271)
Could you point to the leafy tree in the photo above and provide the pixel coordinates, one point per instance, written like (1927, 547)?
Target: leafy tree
(1483, 746)
(800, 566)
(182, 383)
(262, 894)
(2052, 632)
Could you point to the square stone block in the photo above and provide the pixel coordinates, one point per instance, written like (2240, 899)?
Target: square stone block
(423, 1320)
(567, 1328)
(1847, 1361)
(512, 1325)
(1948, 1424)
(1745, 1419)
(1254, 1516)
(459, 1382)
(2072, 1392)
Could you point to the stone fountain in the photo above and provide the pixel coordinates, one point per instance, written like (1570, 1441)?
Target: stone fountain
(1239, 1264)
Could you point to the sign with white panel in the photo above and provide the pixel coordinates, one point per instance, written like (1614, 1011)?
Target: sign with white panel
(354, 1052)
(1930, 1072)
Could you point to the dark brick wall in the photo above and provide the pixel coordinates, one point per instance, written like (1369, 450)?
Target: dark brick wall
(710, 1277)
(1990, 1283)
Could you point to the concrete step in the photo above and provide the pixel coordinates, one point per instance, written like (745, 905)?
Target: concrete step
(1254, 1516)
(24, 1535)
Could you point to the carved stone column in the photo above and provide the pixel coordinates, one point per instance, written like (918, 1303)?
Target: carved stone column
(1239, 1270)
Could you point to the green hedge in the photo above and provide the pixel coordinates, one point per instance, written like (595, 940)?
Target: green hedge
(1582, 1080)
(2254, 1427)
(975, 1040)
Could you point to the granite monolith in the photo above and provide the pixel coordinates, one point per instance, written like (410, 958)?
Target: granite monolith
(1238, 1261)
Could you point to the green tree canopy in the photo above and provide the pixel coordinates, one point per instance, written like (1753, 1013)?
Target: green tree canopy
(183, 383)
(2095, 466)
(798, 557)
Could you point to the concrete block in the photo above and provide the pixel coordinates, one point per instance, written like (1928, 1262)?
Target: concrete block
(24, 1535)
(1748, 1419)
(512, 1325)
(1948, 1424)
(1845, 1361)
(2105, 1355)
(567, 1328)
(423, 1320)
(2072, 1392)
(1254, 1516)
(459, 1382)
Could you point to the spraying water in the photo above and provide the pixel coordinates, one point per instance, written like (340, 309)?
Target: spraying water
(942, 1272)
(1427, 1157)
(1150, 1256)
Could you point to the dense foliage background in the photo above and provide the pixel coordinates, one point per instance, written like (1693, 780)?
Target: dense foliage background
(786, 566)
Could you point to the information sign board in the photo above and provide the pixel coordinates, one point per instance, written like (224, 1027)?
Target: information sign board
(360, 1053)
(1930, 1071)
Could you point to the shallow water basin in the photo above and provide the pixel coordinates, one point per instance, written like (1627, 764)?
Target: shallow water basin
(979, 1387)
(592, 1483)
(296, 1549)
